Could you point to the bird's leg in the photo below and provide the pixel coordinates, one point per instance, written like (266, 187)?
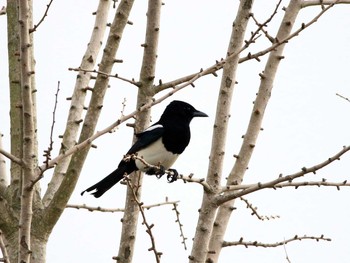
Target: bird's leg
(172, 177)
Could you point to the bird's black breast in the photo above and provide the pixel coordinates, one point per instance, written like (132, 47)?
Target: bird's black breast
(176, 138)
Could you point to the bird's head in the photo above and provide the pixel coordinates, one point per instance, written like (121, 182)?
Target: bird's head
(182, 110)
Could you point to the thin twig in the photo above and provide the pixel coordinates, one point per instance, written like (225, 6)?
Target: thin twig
(341, 96)
(106, 75)
(144, 222)
(180, 225)
(42, 18)
(241, 242)
(279, 42)
(285, 251)
(255, 211)
(47, 153)
(261, 26)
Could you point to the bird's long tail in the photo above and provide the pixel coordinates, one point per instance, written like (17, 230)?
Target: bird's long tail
(106, 183)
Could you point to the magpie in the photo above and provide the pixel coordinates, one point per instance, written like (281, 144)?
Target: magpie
(159, 145)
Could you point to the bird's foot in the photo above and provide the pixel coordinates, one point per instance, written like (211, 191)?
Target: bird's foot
(172, 177)
(157, 171)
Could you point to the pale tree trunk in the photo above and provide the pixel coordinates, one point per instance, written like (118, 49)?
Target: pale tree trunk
(54, 209)
(254, 127)
(38, 249)
(145, 94)
(209, 207)
(13, 193)
(78, 98)
(29, 157)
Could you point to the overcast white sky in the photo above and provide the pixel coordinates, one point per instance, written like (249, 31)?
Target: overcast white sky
(305, 123)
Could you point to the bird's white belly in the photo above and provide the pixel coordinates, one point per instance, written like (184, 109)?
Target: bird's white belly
(156, 154)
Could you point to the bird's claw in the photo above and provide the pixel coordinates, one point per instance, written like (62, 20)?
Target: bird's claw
(160, 171)
(157, 171)
(172, 177)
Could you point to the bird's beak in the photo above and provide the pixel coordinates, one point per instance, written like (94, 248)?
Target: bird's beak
(198, 113)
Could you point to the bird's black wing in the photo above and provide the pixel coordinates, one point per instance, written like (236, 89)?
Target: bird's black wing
(147, 137)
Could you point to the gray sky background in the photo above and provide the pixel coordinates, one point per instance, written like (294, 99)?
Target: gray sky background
(305, 123)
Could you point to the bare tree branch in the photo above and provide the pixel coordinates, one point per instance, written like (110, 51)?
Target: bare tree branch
(114, 210)
(296, 185)
(310, 183)
(42, 18)
(274, 183)
(308, 3)
(278, 42)
(133, 82)
(11, 157)
(241, 242)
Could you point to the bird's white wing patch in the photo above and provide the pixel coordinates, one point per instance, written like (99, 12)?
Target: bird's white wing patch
(151, 128)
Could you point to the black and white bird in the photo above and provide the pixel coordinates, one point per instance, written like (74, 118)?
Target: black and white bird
(159, 145)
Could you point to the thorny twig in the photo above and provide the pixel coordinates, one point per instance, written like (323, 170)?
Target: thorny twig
(312, 183)
(180, 225)
(115, 210)
(47, 153)
(241, 242)
(144, 222)
(133, 82)
(279, 42)
(255, 211)
(42, 18)
(285, 251)
(261, 26)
